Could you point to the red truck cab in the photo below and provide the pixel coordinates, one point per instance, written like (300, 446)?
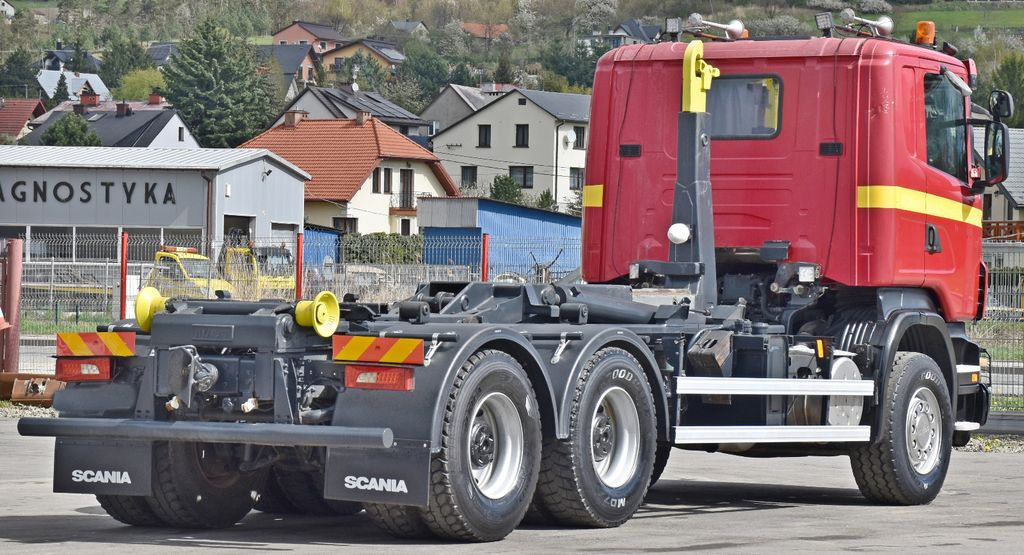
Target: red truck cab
(857, 151)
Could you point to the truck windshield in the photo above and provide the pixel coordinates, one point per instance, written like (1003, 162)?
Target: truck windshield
(945, 126)
(196, 268)
(275, 262)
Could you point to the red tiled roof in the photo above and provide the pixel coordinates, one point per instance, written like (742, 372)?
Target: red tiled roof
(484, 30)
(341, 153)
(16, 112)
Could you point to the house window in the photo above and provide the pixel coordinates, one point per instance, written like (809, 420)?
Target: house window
(406, 197)
(323, 45)
(387, 180)
(581, 137)
(406, 226)
(522, 102)
(483, 136)
(346, 225)
(376, 180)
(522, 135)
(181, 134)
(468, 177)
(303, 42)
(523, 175)
(435, 126)
(575, 178)
(404, 129)
(282, 42)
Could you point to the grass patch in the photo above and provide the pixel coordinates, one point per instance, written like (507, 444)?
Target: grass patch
(261, 39)
(1007, 403)
(46, 322)
(961, 16)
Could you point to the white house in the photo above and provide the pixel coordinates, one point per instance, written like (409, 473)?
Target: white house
(367, 177)
(538, 138)
(7, 9)
(77, 83)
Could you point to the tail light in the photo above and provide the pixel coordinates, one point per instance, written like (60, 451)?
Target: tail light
(394, 378)
(83, 369)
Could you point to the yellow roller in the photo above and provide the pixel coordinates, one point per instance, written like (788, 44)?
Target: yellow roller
(147, 304)
(322, 314)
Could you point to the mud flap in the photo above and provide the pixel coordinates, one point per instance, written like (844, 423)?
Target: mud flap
(106, 467)
(399, 475)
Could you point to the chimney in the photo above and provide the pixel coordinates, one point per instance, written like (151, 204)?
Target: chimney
(123, 109)
(80, 109)
(155, 98)
(58, 45)
(293, 117)
(363, 116)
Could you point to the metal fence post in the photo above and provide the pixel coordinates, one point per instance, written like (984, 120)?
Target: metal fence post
(12, 294)
(298, 266)
(124, 275)
(485, 256)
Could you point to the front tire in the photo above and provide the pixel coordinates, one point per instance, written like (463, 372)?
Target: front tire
(486, 473)
(599, 476)
(907, 465)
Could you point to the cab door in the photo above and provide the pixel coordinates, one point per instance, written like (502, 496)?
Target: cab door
(952, 230)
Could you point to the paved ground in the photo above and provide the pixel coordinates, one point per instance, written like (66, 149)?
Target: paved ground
(704, 502)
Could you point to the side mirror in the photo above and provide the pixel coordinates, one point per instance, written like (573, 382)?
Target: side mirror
(997, 156)
(1000, 104)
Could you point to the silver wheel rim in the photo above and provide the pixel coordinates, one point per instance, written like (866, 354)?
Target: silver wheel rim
(615, 437)
(495, 445)
(924, 431)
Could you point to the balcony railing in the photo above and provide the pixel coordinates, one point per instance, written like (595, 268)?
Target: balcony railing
(406, 200)
(1011, 230)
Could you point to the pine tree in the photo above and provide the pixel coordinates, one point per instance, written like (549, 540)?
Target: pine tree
(124, 55)
(16, 75)
(216, 84)
(70, 130)
(576, 203)
(503, 74)
(461, 75)
(78, 62)
(504, 188)
(546, 201)
(60, 94)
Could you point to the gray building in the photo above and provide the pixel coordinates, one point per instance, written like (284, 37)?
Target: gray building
(453, 104)
(179, 195)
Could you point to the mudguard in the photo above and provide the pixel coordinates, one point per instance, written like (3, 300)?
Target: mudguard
(105, 467)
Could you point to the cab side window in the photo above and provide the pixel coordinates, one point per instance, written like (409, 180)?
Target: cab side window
(945, 126)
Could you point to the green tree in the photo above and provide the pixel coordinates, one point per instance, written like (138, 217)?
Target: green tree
(503, 74)
(138, 84)
(546, 201)
(575, 61)
(216, 84)
(1009, 76)
(16, 75)
(60, 94)
(369, 75)
(405, 93)
(78, 62)
(575, 207)
(461, 75)
(424, 66)
(504, 188)
(70, 130)
(124, 55)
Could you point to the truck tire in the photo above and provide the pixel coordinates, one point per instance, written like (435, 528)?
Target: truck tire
(660, 460)
(907, 464)
(131, 510)
(485, 475)
(400, 521)
(600, 475)
(272, 498)
(305, 491)
(199, 485)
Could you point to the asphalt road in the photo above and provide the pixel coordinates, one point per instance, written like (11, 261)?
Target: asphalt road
(705, 502)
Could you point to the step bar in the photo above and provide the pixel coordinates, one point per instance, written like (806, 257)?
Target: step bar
(686, 385)
(769, 434)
